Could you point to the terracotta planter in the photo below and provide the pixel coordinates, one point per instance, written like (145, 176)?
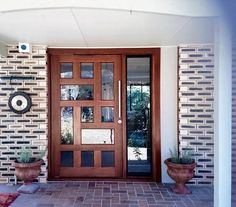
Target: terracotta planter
(27, 172)
(180, 173)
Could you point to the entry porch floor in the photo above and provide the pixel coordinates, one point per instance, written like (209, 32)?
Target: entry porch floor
(110, 193)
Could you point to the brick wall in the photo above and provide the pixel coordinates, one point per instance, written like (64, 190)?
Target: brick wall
(195, 108)
(196, 123)
(29, 129)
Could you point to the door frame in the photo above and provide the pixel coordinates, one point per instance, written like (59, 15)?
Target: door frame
(155, 101)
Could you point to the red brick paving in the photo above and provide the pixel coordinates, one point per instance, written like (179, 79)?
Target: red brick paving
(114, 194)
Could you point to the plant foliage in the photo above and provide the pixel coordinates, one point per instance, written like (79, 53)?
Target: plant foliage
(186, 157)
(25, 155)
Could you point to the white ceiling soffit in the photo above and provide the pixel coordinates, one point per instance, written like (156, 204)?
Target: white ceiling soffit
(173, 7)
(86, 27)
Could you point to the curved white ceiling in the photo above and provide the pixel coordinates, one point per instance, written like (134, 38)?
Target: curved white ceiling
(90, 23)
(173, 7)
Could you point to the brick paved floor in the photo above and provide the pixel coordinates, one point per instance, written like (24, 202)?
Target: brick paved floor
(113, 193)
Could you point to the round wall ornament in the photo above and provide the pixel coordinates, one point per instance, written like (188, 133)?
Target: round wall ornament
(19, 102)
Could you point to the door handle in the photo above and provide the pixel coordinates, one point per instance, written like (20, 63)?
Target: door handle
(119, 102)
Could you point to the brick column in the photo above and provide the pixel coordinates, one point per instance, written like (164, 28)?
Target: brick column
(29, 129)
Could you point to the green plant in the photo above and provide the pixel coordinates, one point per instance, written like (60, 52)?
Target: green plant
(25, 155)
(186, 157)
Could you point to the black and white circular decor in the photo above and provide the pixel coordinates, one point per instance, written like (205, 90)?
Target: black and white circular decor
(20, 102)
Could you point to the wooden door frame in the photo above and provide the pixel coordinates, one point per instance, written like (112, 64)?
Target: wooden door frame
(155, 100)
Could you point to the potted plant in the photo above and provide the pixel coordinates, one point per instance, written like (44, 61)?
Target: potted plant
(181, 169)
(27, 168)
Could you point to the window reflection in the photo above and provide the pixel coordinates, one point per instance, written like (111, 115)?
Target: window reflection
(87, 114)
(86, 70)
(66, 70)
(76, 92)
(107, 114)
(138, 116)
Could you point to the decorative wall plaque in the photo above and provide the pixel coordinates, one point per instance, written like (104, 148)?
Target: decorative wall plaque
(20, 102)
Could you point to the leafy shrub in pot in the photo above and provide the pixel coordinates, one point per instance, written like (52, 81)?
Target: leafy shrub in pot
(181, 169)
(27, 166)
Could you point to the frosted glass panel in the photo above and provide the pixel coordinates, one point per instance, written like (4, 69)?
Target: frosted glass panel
(107, 81)
(97, 136)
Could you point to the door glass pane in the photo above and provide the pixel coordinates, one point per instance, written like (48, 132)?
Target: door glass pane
(97, 136)
(86, 70)
(107, 114)
(108, 159)
(67, 125)
(66, 70)
(107, 81)
(86, 114)
(138, 116)
(87, 159)
(67, 159)
(76, 92)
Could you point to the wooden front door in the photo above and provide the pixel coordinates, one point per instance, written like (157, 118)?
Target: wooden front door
(86, 130)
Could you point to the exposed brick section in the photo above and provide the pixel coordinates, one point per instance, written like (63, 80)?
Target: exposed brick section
(196, 122)
(18, 130)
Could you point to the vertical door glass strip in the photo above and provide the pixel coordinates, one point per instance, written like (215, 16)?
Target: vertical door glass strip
(107, 81)
(67, 125)
(138, 116)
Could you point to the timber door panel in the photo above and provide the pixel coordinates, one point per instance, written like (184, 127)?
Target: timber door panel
(86, 136)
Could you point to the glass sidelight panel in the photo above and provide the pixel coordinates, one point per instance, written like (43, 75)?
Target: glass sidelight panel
(138, 116)
(76, 92)
(97, 136)
(86, 70)
(107, 114)
(87, 114)
(66, 70)
(107, 81)
(67, 159)
(67, 125)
